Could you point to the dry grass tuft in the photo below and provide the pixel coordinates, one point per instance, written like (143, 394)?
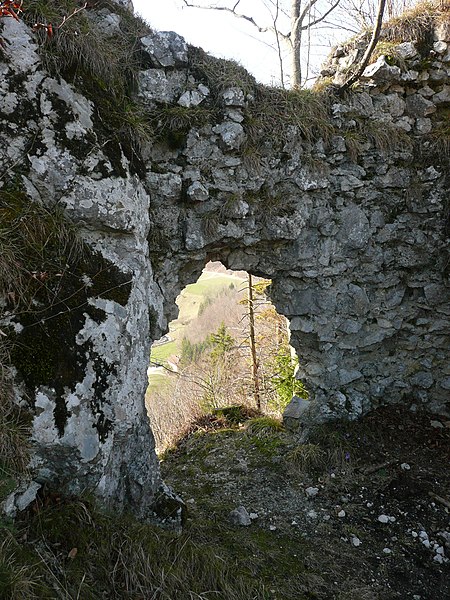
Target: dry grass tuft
(36, 245)
(418, 22)
(18, 580)
(14, 424)
(80, 45)
(307, 457)
(264, 426)
(219, 74)
(278, 112)
(80, 552)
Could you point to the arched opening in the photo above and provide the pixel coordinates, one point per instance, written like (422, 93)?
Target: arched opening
(228, 347)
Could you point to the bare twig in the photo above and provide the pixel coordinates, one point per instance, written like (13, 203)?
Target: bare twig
(376, 468)
(236, 14)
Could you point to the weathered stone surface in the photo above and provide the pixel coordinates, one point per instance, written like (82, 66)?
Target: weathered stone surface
(352, 237)
(381, 71)
(157, 85)
(165, 49)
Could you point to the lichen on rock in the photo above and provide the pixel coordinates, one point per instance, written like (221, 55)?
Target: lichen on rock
(182, 158)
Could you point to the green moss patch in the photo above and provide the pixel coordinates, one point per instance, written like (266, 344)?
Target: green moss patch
(48, 276)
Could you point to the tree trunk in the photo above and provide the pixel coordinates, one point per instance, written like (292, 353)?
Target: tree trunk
(251, 316)
(370, 48)
(295, 39)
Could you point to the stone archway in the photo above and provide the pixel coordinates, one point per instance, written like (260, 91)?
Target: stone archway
(348, 225)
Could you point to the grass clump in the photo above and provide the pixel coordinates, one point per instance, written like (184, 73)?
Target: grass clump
(235, 415)
(173, 123)
(36, 246)
(219, 74)
(104, 66)
(77, 551)
(277, 111)
(79, 45)
(19, 580)
(307, 457)
(386, 138)
(264, 426)
(417, 23)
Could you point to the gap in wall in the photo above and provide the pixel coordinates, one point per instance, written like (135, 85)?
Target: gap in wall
(207, 360)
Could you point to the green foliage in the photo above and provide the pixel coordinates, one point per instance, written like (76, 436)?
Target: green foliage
(283, 379)
(265, 433)
(208, 300)
(192, 351)
(221, 342)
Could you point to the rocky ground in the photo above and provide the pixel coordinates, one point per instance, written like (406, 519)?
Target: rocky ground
(361, 512)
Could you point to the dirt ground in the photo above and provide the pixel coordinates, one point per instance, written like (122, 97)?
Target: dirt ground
(361, 512)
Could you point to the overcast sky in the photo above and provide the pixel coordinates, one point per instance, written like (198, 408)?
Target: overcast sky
(221, 34)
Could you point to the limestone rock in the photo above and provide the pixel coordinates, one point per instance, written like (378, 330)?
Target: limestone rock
(380, 71)
(157, 85)
(239, 516)
(350, 234)
(165, 49)
(294, 412)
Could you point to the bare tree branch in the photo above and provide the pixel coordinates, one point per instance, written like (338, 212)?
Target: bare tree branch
(277, 36)
(233, 12)
(370, 48)
(324, 16)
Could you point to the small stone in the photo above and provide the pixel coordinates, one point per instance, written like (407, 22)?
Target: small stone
(311, 492)
(356, 541)
(438, 558)
(253, 516)
(423, 535)
(272, 528)
(311, 514)
(423, 125)
(197, 192)
(387, 550)
(436, 425)
(405, 467)
(233, 97)
(440, 550)
(426, 543)
(440, 47)
(341, 514)
(240, 516)
(383, 519)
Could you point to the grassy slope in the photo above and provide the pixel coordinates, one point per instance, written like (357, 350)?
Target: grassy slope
(296, 548)
(208, 285)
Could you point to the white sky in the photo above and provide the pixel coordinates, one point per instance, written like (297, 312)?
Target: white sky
(222, 35)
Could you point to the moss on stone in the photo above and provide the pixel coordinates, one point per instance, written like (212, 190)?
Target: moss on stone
(48, 276)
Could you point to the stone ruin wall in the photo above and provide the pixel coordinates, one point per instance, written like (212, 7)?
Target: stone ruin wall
(351, 234)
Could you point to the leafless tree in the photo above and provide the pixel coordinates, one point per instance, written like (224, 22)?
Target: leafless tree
(290, 25)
